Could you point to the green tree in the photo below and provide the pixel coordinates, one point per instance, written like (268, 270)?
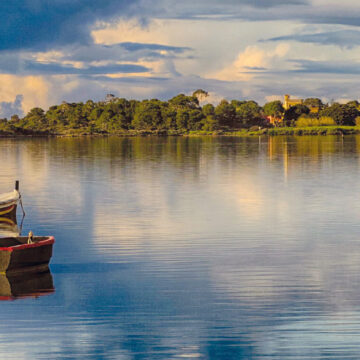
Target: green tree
(210, 123)
(88, 108)
(148, 115)
(126, 111)
(313, 102)
(225, 114)
(343, 114)
(35, 120)
(74, 114)
(237, 103)
(274, 108)
(292, 114)
(195, 118)
(183, 101)
(14, 119)
(56, 118)
(354, 103)
(103, 121)
(208, 109)
(248, 114)
(168, 115)
(182, 119)
(95, 114)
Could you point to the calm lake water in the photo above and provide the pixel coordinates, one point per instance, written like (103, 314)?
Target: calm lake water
(200, 248)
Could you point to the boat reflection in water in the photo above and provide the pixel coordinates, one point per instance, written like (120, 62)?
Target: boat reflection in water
(26, 285)
(25, 282)
(9, 227)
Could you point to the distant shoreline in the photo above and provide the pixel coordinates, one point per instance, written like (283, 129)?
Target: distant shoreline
(183, 115)
(281, 131)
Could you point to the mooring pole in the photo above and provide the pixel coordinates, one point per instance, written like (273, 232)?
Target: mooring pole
(17, 187)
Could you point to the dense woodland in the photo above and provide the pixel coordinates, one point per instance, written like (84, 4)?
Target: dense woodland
(179, 115)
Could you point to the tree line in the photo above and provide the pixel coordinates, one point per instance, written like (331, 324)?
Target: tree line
(180, 114)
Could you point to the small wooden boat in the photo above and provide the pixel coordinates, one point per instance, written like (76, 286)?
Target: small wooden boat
(9, 202)
(18, 254)
(26, 285)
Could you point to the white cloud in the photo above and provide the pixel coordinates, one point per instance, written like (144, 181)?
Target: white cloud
(213, 98)
(132, 31)
(35, 90)
(274, 98)
(226, 55)
(56, 57)
(249, 61)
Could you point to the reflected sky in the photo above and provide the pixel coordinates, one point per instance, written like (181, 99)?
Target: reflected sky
(203, 248)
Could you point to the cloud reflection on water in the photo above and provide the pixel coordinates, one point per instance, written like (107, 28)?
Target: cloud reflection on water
(219, 247)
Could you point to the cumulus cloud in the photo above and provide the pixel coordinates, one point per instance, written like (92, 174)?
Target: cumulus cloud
(270, 98)
(135, 49)
(28, 92)
(212, 98)
(7, 109)
(250, 61)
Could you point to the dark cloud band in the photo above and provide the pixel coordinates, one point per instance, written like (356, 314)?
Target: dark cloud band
(342, 38)
(42, 24)
(36, 68)
(326, 67)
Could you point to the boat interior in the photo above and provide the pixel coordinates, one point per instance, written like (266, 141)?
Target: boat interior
(20, 240)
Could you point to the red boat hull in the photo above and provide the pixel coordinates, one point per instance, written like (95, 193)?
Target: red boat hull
(16, 255)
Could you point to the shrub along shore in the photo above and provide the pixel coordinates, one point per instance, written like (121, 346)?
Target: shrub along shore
(184, 116)
(326, 130)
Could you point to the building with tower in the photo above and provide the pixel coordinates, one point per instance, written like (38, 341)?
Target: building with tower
(288, 102)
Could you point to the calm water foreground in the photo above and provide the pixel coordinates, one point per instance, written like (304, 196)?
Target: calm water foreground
(201, 248)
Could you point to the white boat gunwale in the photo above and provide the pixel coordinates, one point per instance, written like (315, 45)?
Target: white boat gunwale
(10, 198)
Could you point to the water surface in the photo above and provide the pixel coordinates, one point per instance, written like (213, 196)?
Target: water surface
(202, 248)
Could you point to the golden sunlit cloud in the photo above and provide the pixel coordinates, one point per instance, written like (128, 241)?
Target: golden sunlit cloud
(35, 90)
(252, 59)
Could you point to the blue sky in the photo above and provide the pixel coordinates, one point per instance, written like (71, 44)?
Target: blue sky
(75, 50)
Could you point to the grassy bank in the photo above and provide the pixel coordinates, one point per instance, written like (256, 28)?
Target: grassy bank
(311, 130)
